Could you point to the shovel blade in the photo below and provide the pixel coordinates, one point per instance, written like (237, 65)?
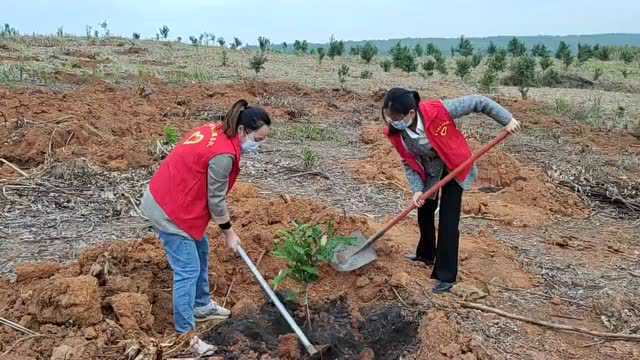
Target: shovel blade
(351, 257)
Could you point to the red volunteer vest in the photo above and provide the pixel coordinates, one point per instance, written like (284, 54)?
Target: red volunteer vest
(180, 184)
(444, 136)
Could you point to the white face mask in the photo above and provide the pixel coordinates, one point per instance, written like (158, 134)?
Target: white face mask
(250, 145)
(399, 124)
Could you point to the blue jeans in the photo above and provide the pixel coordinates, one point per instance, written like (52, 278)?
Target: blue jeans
(189, 260)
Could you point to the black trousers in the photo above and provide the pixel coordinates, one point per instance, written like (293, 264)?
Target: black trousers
(445, 250)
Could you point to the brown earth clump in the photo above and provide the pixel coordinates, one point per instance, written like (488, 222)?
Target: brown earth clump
(62, 300)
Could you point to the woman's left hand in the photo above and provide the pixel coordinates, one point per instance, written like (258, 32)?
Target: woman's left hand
(512, 126)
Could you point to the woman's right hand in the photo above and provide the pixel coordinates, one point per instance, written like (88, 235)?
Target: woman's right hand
(416, 199)
(231, 239)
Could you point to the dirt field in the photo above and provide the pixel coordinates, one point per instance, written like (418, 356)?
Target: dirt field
(550, 230)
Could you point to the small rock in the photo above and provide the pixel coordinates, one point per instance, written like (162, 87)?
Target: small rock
(556, 300)
(62, 352)
(132, 310)
(244, 307)
(89, 333)
(362, 281)
(33, 271)
(288, 347)
(400, 279)
(378, 280)
(384, 248)
(368, 294)
(468, 292)
(479, 351)
(451, 350)
(367, 354)
(468, 356)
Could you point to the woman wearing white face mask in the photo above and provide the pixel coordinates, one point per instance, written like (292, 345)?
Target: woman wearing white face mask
(188, 190)
(427, 138)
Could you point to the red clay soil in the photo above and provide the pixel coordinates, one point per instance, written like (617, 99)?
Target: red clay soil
(609, 142)
(123, 290)
(116, 127)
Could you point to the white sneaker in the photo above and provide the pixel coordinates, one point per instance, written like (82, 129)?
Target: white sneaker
(211, 311)
(201, 348)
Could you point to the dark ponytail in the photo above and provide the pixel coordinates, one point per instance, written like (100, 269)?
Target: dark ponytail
(400, 101)
(252, 118)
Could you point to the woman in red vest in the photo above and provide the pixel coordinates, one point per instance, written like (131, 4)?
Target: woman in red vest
(426, 136)
(188, 190)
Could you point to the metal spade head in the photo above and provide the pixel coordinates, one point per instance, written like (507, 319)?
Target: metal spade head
(357, 255)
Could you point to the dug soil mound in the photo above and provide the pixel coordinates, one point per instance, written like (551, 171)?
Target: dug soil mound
(118, 127)
(122, 290)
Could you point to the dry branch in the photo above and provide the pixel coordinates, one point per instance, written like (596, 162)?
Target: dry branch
(608, 336)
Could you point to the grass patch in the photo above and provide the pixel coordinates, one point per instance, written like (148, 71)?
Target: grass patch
(307, 132)
(593, 113)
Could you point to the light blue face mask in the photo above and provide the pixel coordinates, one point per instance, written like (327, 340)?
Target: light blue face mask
(399, 125)
(250, 145)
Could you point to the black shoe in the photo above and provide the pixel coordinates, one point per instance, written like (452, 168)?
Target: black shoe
(415, 258)
(442, 287)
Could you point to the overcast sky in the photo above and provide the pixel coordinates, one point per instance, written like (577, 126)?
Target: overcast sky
(315, 21)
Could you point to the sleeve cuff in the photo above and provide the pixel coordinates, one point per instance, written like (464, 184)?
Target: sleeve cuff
(221, 219)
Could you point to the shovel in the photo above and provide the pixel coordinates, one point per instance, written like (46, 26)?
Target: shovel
(354, 256)
(312, 350)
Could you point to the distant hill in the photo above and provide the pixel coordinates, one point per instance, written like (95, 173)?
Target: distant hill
(482, 43)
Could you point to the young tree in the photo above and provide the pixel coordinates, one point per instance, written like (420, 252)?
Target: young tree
(476, 59)
(627, 55)
(441, 64)
(585, 52)
(264, 43)
(403, 58)
(429, 66)
(432, 50)
(355, 50)
(87, 30)
(516, 47)
(492, 48)
(321, 55)
(164, 31)
(487, 82)
(463, 67)
(343, 72)
(602, 53)
(105, 28)
(540, 50)
(418, 50)
(224, 58)
(236, 43)
(300, 47)
(194, 40)
(465, 48)
(386, 65)
(221, 41)
(336, 47)
(285, 45)
(564, 53)
(523, 74)
(257, 61)
(498, 61)
(368, 51)
(597, 73)
(546, 62)
(135, 36)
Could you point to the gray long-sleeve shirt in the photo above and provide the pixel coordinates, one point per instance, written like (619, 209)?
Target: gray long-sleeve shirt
(418, 144)
(217, 183)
